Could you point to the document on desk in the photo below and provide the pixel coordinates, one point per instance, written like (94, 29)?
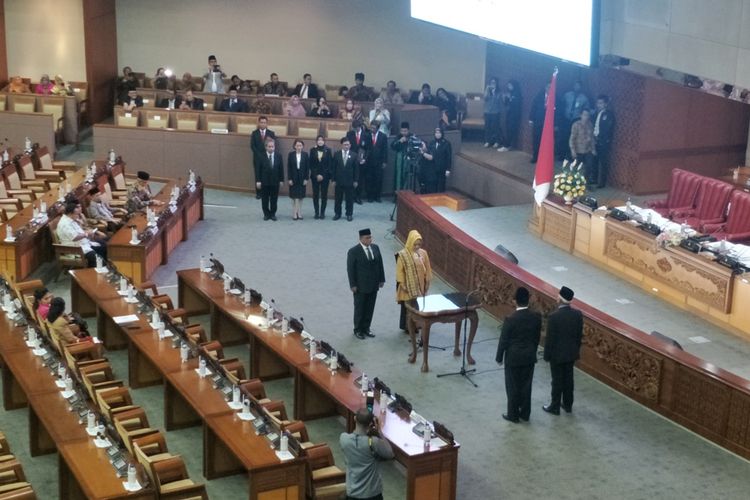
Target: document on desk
(435, 303)
(124, 320)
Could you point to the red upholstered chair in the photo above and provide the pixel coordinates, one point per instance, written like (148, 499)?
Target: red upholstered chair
(737, 227)
(683, 193)
(711, 207)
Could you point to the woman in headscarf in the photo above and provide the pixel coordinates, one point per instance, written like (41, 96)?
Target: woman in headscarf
(44, 87)
(59, 88)
(413, 273)
(294, 108)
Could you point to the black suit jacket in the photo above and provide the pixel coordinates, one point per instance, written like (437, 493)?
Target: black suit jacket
(428, 101)
(606, 127)
(164, 103)
(564, 334)
(378, 151)
(197, 104)
(138, 101)
(267, 175)
(364, 144)
(240, 106)
(519, 338)
(312, 91)
(345, 174)
(365, 274)
(301, 174)
(257, 145)
(324, 166)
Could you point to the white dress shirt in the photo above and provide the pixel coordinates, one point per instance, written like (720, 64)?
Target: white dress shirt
(68, 230)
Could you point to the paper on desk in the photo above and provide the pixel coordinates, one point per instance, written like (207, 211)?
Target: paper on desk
(122, 293)
(435, 303)
(131, 487)
(235, 405)
(92, 431)
(284, 455)
(247, 417)
(102, 443)
(131, 301)
(67, 394)
(437, 442)
(60, 384)
(208, 372)
(122, 320)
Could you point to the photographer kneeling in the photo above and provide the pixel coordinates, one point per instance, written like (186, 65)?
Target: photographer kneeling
(363, 449)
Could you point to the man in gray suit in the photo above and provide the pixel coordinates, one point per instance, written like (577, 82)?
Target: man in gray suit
(364, 266)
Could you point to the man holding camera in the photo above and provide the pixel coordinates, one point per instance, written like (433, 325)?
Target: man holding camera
(363, 449)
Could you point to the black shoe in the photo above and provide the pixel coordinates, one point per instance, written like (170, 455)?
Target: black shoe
(358, 201)
(524, 419)
(514, 420)
(551, 410)
(322, 216)
(316, 216)
(359, 335)
(369, 334)
(273, 217)
(349, 218)
(336, 217)
(568, 409)
(378, 200)
(266, 217)
(258, 196)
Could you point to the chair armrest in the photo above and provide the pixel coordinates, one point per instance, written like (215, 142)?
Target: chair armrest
(70, 166)
(53, 175)
(736, 237)
(22, 194)
(712, 228)
(194, 491)
(61, 249)
(11, 202)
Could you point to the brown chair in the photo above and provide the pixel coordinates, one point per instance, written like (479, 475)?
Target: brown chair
(234, 370)
(299, 432)
(196, 333)
(14, 182)
(157, 118)
(119, 184)
(56, 107)
(22, 493)
(51, 177)
(324, 479)
(112, 401)
(213, 349)
(147, 285)
(186, 121)
(131, 425)
(23, 103)
(12, 477)
(126, 118)
(98, 376)
(81, 353)
(46, 162)
(308, 129)
(164, 302)
(172, 481)
(67, 256)
(25, 196)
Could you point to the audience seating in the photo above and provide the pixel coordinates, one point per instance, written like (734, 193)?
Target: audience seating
(56, 107)
(186, 121)
(25, 196)
(280, 126)
(217, 121)
(308, 129)
(157, 119)
(336, 129)
(112, 401)
(682, 196)
(52, 177)
(126, 118)
(711, 207)
(23, 103)
(14, 182)
(67, 256)
(473, 117)
(737, 227)
(46, 162)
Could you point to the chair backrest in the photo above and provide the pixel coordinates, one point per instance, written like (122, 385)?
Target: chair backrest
(474, 108)
(683, 191)
(117, 175)
(168, 471)
(146, 447)
(54, 106)
(336, 129)
(319, 456)
(11, 176)
(45, 158)
(27, 168)
(157, 119)
(187, 121)
(280, 126)
(713, 199)
(213, 348)
(738, 220)
(110, 399)
(149, 98)
(246, 124)
(216, 121)
(23, 103)
(308, 129)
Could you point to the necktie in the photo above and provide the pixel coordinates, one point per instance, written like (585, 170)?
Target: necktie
(369, 254)
(303, 94)
(270, 159)
(346, 157)
(263, 134)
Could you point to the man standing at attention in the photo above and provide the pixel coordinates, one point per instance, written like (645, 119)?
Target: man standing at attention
(269, 176)
(258, 143)
(364, 266)
(363, 449)
(561, 350)
(604, 128)
(346, 178)
(517, 348)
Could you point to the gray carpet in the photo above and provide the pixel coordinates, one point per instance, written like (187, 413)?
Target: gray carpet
(608, 448)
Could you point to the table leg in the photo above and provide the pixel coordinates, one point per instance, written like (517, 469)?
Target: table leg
(40, 442)
(474, 322)
(425, 345)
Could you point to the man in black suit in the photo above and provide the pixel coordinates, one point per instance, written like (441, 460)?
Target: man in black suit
(377, 160)
(171, 101)
(604, 128)
(269, 176)
(345, 178)
(361, 141)
(561, 350)
(518, 343)
(191, 102)
(364, 266)
(306, 89)
(258, 142)
(233, 104)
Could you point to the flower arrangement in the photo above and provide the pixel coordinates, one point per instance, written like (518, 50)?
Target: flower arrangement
(669, 237)
(570, 183)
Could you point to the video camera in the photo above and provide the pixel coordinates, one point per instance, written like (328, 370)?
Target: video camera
(413, 147)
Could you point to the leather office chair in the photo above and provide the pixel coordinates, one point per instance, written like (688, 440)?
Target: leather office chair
(25, 196)
(213, 349)
(52, 177)
(67, 256)
(682, 195)
(14, 182)
(46, 162)
(308, 129)
(234, 370)
(299, 432)
(112, 401)
(172, 481)
(737, 227)
(711, 206)
(178, 315)
(98, 376)
(131, 425)
(324, 479)
(56, 107)
(12, 477)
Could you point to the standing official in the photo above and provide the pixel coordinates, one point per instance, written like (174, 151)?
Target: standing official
(377, 160)
(321, 170)
(364, 266)
(258, 143)
(361, 142)
(604, 129)
(561, 350)
(345, 177)
(269, 176)
(518, 343)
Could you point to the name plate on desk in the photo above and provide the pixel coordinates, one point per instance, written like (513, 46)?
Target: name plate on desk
(219, 131)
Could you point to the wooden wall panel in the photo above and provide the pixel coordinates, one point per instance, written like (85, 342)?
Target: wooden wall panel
(100, 32)
(3, 47)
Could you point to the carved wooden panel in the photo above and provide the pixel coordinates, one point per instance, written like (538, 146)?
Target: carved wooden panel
(632, 368)
(437, 247)
(704, 281)
(738, 422)
(701, 400)
(557, 225)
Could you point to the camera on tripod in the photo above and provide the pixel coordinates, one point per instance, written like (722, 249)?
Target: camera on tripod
(413, 148)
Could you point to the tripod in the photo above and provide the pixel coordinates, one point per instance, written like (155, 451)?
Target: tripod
(408, 179)
(463, 371)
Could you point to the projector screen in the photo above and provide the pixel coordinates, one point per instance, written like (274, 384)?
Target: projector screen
(565, 29)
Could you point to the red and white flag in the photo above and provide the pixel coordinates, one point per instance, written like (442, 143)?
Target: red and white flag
(545, 165)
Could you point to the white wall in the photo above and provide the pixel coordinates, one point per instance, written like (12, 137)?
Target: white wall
(706, 38)
(331, 39)
(45, 36)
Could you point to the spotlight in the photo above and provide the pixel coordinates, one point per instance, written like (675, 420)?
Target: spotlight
(168, 72)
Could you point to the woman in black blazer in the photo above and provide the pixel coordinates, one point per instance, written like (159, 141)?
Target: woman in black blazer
(321, 170)
(298, 171)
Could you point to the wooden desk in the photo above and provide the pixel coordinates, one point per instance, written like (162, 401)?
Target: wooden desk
(317, 393)
(140, 261)
(448, 308)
